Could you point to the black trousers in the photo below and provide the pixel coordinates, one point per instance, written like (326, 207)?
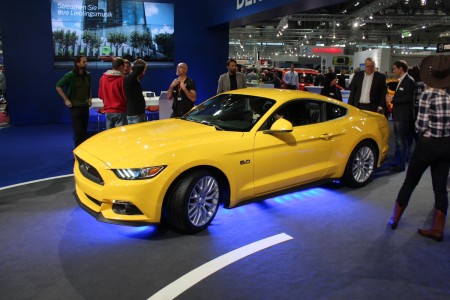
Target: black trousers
(368, 106)
(80, 119)
(433, 153)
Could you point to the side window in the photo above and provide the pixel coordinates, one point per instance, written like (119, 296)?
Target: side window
(301, 112)
(335, 111)
(315, 115)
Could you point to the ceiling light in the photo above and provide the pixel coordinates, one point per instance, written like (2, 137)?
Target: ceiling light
(357, 3)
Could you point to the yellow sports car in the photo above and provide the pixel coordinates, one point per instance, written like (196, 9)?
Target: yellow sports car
(233, 147)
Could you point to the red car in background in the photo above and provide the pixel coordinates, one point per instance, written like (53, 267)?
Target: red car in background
(106, 57)
(305, 76)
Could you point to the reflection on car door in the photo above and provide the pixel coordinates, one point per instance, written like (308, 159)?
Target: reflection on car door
(287, 159)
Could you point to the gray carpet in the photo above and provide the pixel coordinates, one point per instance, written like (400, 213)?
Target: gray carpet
(341, 248)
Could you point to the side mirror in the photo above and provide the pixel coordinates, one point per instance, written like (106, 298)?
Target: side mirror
(280, 126)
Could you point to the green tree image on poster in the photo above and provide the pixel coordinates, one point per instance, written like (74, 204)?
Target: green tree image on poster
(125, 28)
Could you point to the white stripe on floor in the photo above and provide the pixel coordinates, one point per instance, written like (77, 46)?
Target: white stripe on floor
(34, 181)
(185, 282)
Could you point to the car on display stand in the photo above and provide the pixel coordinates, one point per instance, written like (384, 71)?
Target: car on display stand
(106, 58)
(305, 76)
(236, 146)
(391, 87)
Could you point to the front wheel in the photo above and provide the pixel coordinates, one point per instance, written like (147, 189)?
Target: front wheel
(360, 166)
(192, 202)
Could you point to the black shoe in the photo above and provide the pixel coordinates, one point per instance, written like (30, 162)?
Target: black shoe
(396, 168)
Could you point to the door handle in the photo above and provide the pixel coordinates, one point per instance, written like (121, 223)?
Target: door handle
(326, 136)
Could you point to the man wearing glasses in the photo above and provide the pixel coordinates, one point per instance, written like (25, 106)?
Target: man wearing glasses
(183, 92)
(368, 89)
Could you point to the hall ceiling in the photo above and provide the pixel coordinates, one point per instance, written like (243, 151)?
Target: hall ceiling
(357, 24)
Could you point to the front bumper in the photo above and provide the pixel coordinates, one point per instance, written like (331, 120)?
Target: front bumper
(100, 198)
(99, 217)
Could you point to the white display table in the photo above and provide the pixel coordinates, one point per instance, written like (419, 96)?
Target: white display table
(97, 102)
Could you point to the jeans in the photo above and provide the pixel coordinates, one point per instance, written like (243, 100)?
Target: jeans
(136, 119)
(401, 130)
(80, 120)
(115, 120)
(433, 152)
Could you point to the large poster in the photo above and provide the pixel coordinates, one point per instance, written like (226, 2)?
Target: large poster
(104, 29)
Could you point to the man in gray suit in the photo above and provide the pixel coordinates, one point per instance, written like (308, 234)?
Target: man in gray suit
(231, 80)
(368, 88)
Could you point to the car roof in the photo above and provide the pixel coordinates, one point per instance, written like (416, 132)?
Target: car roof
(298, 70)
(279, 94)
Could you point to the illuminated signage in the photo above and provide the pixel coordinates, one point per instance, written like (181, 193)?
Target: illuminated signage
(328, 50)
(241, 3)
(443, 48)
(406, 33)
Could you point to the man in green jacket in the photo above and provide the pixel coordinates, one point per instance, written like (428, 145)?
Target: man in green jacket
(75, 89)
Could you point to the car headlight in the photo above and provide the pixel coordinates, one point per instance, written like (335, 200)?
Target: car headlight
(138, 173)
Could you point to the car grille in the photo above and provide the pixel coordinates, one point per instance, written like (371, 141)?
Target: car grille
(90, 172)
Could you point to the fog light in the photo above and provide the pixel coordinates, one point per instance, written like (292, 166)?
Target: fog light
(125, 208)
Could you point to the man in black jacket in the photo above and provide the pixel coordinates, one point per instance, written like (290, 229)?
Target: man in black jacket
(133, 93)
(368, 89)
(402, 112)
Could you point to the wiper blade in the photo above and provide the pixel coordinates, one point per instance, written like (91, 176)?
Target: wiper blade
(211, 124)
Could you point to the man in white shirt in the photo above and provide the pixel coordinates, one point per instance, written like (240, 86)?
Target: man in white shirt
(290, 79)
(402, 112)
(368, 89)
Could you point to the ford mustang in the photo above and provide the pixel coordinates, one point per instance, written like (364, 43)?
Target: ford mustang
(236, 146)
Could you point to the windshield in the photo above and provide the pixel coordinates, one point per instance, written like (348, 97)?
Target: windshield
(230, 112)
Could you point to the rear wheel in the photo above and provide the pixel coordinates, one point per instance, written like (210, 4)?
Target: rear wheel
(361, 165)
(193, 201)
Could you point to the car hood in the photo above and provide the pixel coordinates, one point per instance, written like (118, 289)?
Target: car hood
(151, 142)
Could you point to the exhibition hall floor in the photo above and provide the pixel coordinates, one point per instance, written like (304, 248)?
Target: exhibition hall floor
(322, 242)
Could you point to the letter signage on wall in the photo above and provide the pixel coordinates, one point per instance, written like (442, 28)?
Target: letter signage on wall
(243, 3)
(328, 50)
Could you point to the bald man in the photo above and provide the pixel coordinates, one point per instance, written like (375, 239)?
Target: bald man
(183, 92)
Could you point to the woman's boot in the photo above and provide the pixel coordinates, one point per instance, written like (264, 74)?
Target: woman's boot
(437, 231)
(396, 215)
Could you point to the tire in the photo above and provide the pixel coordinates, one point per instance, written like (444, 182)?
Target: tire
(361, 165)
(192, 202)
